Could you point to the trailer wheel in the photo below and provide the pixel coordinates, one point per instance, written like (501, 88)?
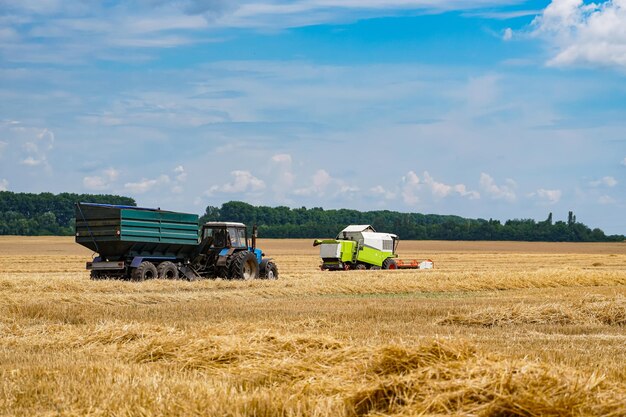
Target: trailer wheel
(145, 270)
(167, 270)
(360, 267)
(390, 263)
(269, 270)
(243, 265)
(96, 275)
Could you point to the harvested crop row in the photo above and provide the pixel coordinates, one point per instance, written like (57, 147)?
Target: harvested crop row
(609, 312)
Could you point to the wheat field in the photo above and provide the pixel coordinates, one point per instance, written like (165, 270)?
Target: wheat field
(497, 328)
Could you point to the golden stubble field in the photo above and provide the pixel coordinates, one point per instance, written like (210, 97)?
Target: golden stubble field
(496, 329)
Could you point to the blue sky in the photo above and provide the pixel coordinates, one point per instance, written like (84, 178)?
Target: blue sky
(490, 109)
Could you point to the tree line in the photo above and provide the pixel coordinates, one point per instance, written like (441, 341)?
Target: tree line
(50, 214)
(46, 213)
(285, 222)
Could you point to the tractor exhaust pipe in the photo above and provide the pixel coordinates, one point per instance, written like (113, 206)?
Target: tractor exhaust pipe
(255, 233)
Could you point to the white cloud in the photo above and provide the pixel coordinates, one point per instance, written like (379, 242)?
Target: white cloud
(282, 158)
(4, 185)
(624, 162)
(243, 182)
(412, 185)
(324, 184)
(282, 175)
(607, 181)
(508, 34)
(606, 200)
(95, 183)
(101, 182)
(181, 175)
(585, 33)
(321, 180)
(462, 190)
(550, 196)
(382, 192)
(499, 192)
(145, 185)
(36, 143)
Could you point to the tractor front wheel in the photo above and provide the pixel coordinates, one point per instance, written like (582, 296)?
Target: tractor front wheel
(269, 270)
(243, 265)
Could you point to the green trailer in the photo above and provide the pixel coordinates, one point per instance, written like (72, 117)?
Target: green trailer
(143, 243)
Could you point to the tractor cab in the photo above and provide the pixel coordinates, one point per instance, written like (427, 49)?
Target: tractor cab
(220, 235)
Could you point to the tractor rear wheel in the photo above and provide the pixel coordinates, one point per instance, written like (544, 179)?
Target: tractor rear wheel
(390, 263)
(167, 270)
(145, 270)
(243, 265)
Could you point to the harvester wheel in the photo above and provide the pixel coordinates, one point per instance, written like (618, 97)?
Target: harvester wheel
(145, 270)
(269, 270)
(167, 270)
(360, 267)
(390, 263)
(243, 265)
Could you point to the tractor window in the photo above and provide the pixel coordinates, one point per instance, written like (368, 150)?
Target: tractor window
(238, 237)
(219, 238)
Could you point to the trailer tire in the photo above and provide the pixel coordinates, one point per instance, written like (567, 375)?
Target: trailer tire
(167, 270)
(269, 270)
(243, 265)
(97, 275)
(390, 263)
(145, 270)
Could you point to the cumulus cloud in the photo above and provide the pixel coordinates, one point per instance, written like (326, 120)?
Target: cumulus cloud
(320, 182)
(101, 182)
(607, 181)
(180, 174)
(584, 33)
(412, 184)
(282, 175)
(381, 192)
(145, 184)
(499, 192)
(242, 182)
(507, 35)
(606, 200)
(34, 143)
(549, 196)
(4, 185)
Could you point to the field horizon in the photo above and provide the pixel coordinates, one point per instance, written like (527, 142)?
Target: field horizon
(514, 328)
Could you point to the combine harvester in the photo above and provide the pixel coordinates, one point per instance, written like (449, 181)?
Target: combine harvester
(360, 247)
(139, 243)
